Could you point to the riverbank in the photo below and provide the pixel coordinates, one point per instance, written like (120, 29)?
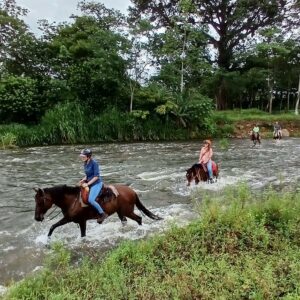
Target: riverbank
(238, 123)
(244, 246)
(68, 125)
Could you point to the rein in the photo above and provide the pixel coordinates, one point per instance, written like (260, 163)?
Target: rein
(53, 210)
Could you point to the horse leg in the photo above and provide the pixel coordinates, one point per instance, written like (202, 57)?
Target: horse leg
(61, 222)
(82, 225)
(135, 217)
(122, 218)
(198, 177)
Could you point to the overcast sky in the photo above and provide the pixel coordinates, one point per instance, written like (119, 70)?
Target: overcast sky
(60, 10)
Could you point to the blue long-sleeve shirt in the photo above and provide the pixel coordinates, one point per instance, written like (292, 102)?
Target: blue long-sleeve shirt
(91, 170)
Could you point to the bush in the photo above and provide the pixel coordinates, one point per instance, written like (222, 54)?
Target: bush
(65, 123)
(18, 99)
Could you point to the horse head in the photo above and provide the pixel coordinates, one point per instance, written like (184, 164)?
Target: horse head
(43, 202)
(189, 175)
(193, 173)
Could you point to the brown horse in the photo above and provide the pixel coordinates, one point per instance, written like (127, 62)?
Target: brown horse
(255, 138)
(198, 173)
(277, 135)
(68, 200)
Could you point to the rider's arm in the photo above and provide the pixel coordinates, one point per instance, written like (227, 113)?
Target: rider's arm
(201, 155)
(82, 180)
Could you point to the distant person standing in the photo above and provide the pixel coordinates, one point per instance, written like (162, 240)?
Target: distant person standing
(277, 133)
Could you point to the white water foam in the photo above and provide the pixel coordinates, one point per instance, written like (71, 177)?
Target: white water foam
(3, 290)
(112, 231)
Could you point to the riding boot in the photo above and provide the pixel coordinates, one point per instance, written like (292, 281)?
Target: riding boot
(102, 218)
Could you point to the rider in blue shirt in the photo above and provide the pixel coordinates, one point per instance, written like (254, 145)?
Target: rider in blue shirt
(92, 180)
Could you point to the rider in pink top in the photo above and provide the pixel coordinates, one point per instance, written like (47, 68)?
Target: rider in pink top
(205, 156)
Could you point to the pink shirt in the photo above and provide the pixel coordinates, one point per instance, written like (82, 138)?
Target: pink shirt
(205, 155)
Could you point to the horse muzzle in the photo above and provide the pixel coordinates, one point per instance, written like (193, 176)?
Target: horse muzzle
(39, 218)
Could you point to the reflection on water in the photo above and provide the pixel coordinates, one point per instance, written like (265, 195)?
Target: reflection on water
(156, 171)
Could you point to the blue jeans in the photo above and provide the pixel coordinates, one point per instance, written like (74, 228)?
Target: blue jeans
(209, 169)
(94, 192)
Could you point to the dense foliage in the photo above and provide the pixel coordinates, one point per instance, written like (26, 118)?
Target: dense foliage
(166, 65)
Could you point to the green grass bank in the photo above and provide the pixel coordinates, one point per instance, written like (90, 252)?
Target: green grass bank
(243, 246)
(70, 124)
(237, 123)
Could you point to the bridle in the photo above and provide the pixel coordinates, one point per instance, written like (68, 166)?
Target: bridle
(44, 202)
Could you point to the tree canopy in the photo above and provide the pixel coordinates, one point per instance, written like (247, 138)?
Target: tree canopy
(174, 60)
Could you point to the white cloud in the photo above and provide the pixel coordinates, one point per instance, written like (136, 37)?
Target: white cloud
(59, 10)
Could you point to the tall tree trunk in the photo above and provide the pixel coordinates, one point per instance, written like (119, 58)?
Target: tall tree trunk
(132, 88)
(288, 101)
(221, 96)
(270, 104)
(298, 99)
(288, 96)
(281, 98)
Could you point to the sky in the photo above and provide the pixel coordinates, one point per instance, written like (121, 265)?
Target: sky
(60, 10)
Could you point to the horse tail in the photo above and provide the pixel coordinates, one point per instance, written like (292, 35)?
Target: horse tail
(147, 212)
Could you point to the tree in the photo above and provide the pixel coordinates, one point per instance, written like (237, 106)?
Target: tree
(21, 53)
(89, 59)
(18, 99)
(228, 25)
(298, 99)
(137, 57)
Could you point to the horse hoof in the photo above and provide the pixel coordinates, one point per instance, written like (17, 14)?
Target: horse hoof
(102, 217)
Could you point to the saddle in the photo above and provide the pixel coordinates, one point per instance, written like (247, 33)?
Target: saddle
(214, 167)
(107, 193)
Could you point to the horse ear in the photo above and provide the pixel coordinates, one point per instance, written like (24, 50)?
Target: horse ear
(38, 191)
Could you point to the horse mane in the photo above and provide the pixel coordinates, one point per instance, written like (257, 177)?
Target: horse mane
(58, 191)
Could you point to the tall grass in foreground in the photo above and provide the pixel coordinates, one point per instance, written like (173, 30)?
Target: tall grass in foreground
(244, 246)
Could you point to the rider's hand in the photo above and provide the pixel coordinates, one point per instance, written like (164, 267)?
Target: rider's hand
(84, 184)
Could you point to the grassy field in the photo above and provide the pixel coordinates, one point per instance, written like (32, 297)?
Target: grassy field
(238, 123)
(243, 246)
(253, 115)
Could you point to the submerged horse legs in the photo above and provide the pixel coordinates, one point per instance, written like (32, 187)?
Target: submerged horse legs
(122, 218)
(61, 222)
(82, 225)
(135, 217)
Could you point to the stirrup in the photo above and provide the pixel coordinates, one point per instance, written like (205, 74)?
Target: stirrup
(102, 218)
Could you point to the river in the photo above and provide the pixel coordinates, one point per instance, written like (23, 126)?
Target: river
(156, 171)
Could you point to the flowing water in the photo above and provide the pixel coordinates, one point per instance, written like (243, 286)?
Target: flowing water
(156, 171)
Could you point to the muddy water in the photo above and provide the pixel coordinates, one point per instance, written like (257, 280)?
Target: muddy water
(155, 170)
